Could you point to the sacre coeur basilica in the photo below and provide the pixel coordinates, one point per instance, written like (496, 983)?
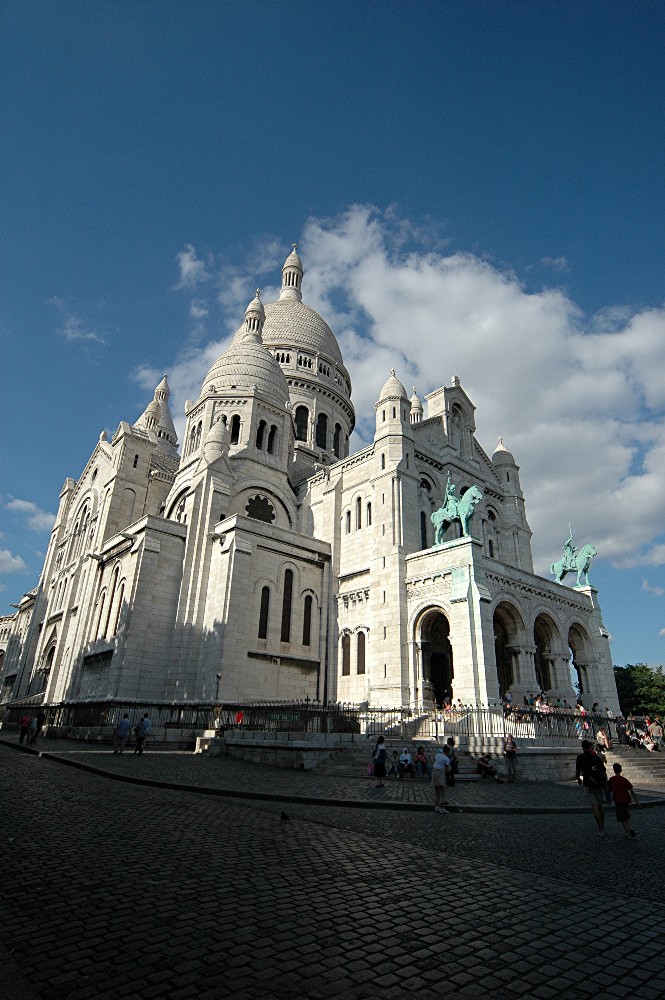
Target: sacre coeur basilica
(264, 562)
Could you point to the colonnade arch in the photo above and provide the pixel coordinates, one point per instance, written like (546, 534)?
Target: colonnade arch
(509, 638)
(580, 650)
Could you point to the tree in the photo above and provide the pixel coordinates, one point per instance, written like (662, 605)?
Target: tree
(641, 689)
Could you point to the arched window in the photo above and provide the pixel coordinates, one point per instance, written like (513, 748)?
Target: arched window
(322, 431)
(302, 421)
(180, 514)
(264, 612)
(121, 595)
(368, 515)
(348, 522)
(307, 621)
(114, 584)
(383, 461)
(346, 655)
(102, 602)
(490, 546)
(337, 441)
(358, 513)
(259, 434)
(235, 428)
(423, 530)
(272, 438)
(286, 606)
(360, 654)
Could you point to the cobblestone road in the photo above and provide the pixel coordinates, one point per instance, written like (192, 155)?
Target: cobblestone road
(120, 891)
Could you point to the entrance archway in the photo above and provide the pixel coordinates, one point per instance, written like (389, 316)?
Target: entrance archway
(437, 655)
(545, 634)
(579, 645)
(508, 634)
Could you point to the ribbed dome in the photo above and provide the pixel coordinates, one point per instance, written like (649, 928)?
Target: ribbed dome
(501, 455)
(393, 388)
(292, 325)
(247, 363)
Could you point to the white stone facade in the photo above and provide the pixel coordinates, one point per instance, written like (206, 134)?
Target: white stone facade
(265, 562)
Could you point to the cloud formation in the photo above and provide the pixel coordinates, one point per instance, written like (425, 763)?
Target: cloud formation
(656, 591)
(72, 328)
(192, 269)
(579, 400)
(35, 518)
(10, 563)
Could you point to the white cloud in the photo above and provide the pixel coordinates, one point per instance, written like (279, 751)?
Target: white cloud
(36, 518)
(10, 563)
(579, 400)
(656, 591)
(192, 269)
(557, 263)
(72, 328)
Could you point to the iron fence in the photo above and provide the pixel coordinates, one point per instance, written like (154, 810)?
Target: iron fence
(169, 720)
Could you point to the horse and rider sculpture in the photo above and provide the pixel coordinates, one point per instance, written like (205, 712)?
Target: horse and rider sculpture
(462, 508)
(455, 509)
(574, 560)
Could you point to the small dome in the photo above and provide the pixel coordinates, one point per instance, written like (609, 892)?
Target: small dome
(416, 404)
(248, 365)
(393, 388)
(215, 443)
(501, 454)
(293, 260)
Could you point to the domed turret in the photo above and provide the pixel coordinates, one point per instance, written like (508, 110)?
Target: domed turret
(393, 388)
(255, 317)
(292, 274)
(157, 418)
(216, 442)
(247, 364)
(501, 455)
(416, 408)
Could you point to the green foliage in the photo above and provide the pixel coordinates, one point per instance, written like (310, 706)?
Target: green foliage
(641, 690)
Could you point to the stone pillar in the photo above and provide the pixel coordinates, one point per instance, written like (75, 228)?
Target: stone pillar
(524, 671)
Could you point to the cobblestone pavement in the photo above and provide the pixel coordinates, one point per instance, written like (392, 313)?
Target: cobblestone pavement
(187, 768)
(114, 891)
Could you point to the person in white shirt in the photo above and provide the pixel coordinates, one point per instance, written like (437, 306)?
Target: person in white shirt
(440, 767)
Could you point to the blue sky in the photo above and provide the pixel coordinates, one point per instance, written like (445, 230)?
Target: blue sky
(477, 189)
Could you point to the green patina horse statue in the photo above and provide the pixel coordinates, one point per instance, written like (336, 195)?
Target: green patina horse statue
(575, 562)
(456, 510)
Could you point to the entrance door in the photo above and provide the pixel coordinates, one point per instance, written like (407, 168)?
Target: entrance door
(437, 656)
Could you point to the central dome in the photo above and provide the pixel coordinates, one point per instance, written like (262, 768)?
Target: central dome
(293, 325)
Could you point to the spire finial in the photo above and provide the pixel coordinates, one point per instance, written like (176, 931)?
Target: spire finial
(258, 294)
(295, 247)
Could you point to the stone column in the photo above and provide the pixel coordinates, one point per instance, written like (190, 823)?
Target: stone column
(524, 671)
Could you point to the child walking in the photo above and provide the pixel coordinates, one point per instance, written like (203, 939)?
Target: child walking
(622, 790)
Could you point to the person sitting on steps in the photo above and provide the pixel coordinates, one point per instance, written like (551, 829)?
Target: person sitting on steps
(486, 770)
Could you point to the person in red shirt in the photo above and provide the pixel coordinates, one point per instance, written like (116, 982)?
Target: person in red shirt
(622, 790)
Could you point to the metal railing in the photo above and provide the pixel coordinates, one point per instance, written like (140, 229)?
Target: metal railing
(167, 719)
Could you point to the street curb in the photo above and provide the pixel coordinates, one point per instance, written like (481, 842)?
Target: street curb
(309, 800)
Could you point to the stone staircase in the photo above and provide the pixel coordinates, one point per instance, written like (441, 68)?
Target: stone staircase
(639, 766)
(352, 760)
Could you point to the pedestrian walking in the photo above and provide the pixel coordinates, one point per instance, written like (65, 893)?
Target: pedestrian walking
(6, 716)
(32, 730)
(590, 772)
(510, 753)
(120, 734)
(379, 756)
(439, 769)
(41, 719)
(622, 790)
(454, 762)
(24, 726)
(141, 732)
